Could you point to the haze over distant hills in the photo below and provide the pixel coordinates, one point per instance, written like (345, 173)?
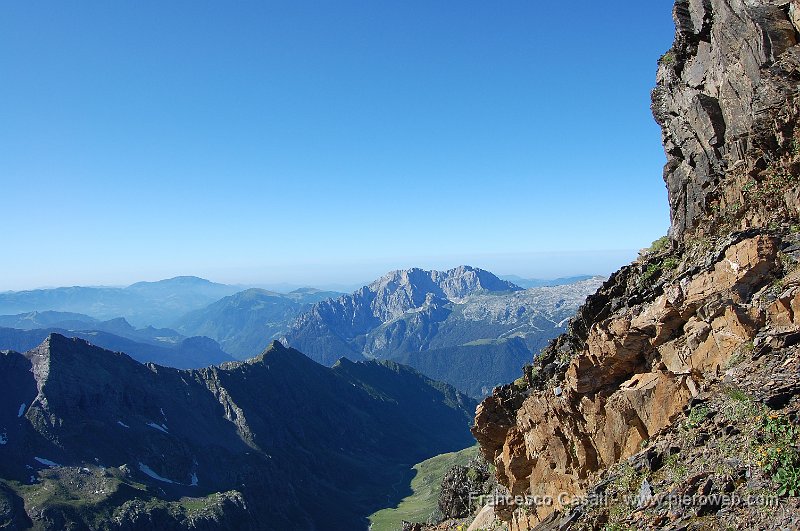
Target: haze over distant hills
(246, 322)
(159, 345)
(142, 304)
(443, 323)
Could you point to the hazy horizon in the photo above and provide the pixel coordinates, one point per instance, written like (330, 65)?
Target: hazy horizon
(528, 266)
(326, 143)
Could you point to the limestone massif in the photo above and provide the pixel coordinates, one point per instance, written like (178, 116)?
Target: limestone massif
(668, 331)
(465, 326)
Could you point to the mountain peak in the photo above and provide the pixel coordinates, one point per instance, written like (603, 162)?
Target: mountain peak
(185, 280)
(277, 351)
(455, 283)
(410, 310)
(55, 340)
(58, 345)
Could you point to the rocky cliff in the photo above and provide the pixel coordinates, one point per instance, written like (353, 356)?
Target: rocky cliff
(726, 99)
(687, 351)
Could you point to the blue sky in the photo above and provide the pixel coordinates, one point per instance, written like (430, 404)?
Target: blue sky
(328, 141)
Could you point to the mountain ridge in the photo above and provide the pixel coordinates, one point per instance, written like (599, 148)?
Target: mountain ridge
(274, 442)
(246, 322)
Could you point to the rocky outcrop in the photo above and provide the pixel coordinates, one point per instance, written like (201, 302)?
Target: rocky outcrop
(461, 486)
(636, 371)
(664, 331)
(727, 102)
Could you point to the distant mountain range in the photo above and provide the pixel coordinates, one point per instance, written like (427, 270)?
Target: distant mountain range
(437, 321)
(89, 437)
(443, 323)
(188, 353)
(246, 322)
(544, 283)
(144, 303)
(474, 368)
(163, 346)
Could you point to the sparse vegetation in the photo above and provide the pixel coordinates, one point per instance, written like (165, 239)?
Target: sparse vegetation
(696, 416)
(737, 395)
(650, 274)
(777, 453)
(774, 183)
(670, 263)
(531, 373)
(676, 467)
(656, 269)
(564, 356)
(658, 246)
(743, 352)
(616, 527)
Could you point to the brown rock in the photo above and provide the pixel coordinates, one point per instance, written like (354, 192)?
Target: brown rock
(638, 370)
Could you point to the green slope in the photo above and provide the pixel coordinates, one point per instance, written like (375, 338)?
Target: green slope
(425, 485)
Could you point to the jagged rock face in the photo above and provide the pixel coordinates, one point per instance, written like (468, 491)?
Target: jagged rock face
(637, 369)
(664, 328)
(336, 328)
(727, 102)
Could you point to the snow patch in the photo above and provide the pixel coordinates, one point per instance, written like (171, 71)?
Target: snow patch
(149, 472)
(45, 462)
(122, 424)
(157, 427)
(22, 409)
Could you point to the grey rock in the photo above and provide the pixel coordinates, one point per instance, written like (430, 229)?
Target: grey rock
(726, 101)
(645, 493)
(453, 313)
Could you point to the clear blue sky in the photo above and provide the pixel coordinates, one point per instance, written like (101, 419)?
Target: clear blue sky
(326, 141)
